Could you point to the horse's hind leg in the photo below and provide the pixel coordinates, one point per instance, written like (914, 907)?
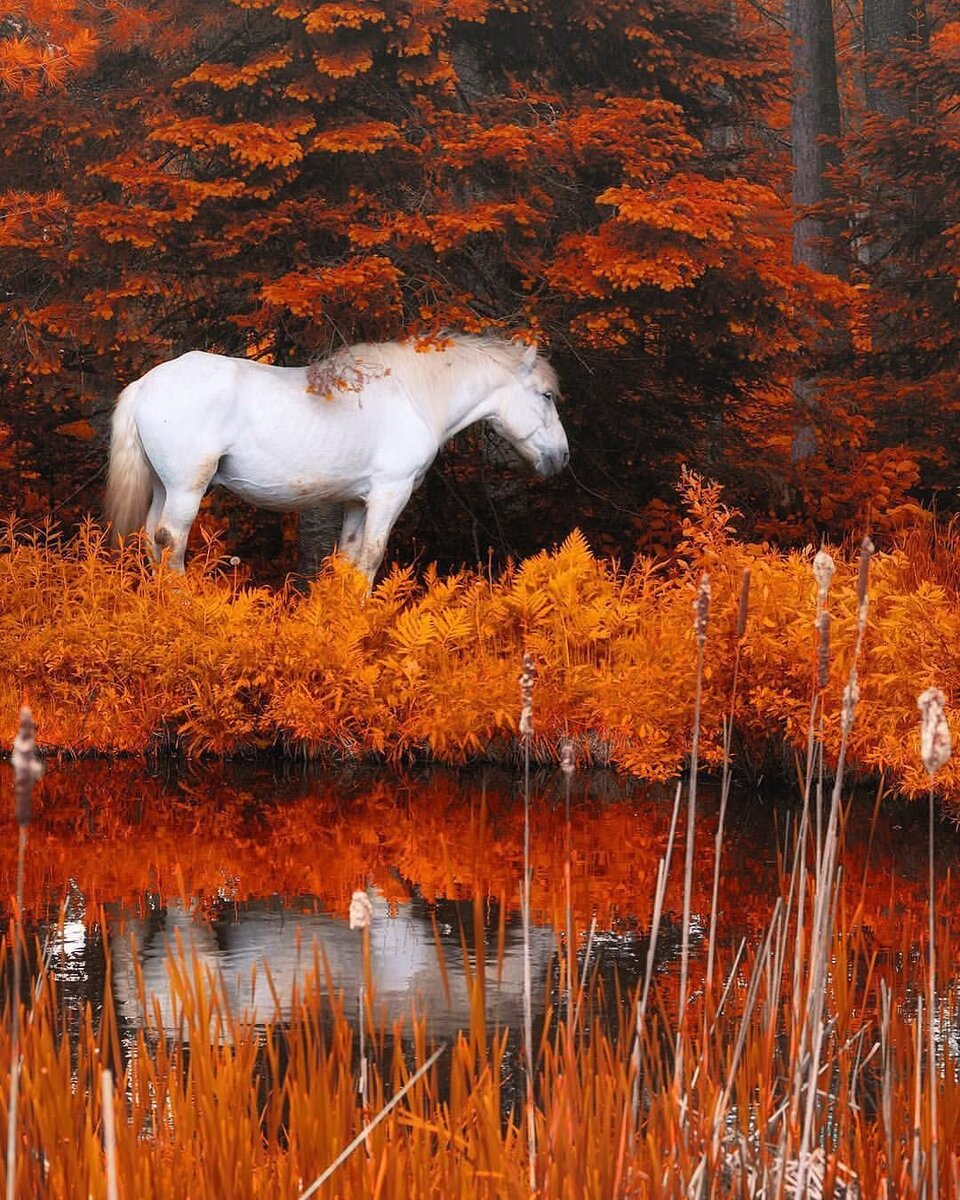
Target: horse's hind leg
(153, 514)
(178, 513)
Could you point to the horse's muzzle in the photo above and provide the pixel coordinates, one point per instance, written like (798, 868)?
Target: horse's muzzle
(553, 462)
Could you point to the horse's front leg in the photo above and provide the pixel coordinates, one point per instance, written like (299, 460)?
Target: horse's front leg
(384, 505)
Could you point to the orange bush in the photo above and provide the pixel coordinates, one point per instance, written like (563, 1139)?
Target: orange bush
(114, 656)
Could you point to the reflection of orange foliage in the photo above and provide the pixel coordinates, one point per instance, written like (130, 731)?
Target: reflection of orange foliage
(118, 831)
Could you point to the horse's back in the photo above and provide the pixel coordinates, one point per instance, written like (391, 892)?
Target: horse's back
(194, 371)
(260, 431)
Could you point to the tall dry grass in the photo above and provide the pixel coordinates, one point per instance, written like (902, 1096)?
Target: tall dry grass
(191, 1120)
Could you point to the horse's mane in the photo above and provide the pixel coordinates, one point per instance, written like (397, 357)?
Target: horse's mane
(416, 362)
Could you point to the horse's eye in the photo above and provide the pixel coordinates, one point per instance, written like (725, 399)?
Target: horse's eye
(548, 396)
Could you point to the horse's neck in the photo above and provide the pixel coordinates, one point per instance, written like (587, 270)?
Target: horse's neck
(467, 398)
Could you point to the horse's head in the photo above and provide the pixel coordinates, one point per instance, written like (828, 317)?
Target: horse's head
(527, 414)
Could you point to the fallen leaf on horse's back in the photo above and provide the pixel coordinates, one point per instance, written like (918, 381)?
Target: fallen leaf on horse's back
(78, 429)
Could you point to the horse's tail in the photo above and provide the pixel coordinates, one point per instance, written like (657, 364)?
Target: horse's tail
(129, 477)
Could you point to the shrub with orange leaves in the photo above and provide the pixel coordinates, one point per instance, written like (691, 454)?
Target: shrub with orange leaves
(114, 656)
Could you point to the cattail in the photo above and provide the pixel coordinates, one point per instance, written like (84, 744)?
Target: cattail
(867, 549)
(935, 742)
(744, 603)
(701, 609)
(823, 571)
(934, 750)
(823, 649)
(567, 761)
(527, 680)
(27, 767)
(361, 910)
(851, 694)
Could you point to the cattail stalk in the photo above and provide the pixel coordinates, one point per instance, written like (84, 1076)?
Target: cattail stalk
(824, 906)
(886, 1102)
(371, 1125)
(935, 747)
(527, 680)
(824, 569)
(741, 630)
(568, 766)
(701, 609)
(27, 769)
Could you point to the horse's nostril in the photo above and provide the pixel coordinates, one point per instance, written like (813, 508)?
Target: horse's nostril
(566, 459)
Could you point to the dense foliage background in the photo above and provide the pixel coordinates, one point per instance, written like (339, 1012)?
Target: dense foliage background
(738, 238)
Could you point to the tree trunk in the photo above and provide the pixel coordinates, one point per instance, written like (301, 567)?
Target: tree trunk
(318, 532)
(504, 482)
(886, 24)
(815, 127)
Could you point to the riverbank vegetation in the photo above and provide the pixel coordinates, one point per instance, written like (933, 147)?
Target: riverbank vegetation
(800, 1055)
(114, 656)
(735, 1085)
(190, 1121)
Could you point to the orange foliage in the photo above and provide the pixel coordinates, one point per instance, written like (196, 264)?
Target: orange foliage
(114, 656)
(293, 175)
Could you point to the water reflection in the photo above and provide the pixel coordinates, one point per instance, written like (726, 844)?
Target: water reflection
(254, 873)
(263, 953)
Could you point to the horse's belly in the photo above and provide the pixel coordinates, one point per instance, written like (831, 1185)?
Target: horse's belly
(286, 495)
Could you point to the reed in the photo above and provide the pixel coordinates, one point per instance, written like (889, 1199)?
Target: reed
(935, 748)
(191, 1121)
(527, 680)
(27, 769)
(701, 608)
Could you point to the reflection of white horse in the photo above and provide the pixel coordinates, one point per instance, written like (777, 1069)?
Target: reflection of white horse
(404, 963)
(367, 439)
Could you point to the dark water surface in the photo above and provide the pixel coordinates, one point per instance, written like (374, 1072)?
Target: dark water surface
(249, 873)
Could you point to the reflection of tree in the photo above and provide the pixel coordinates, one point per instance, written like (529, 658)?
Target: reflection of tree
(119, 832)
(443, 837)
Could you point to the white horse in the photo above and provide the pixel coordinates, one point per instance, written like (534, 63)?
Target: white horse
(361, 427)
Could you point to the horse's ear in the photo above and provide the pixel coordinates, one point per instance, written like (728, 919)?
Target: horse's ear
(529, 355)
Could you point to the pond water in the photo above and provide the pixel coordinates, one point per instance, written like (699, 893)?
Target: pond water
(248, 872)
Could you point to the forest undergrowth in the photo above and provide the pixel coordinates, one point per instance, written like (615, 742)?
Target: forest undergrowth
(116, 655)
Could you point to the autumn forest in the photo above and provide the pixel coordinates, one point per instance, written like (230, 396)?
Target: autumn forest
(595, 838)
(733, 228)
(738, 244)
